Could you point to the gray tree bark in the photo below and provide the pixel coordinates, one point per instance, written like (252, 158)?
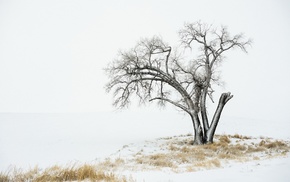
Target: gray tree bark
(198, 133)
(224, 98)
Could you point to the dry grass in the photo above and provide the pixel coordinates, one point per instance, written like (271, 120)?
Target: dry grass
(176, 153)
(156, 160)
(110, 164)
(240, 137)
(213, 163)
(179, 153)
(57, 173)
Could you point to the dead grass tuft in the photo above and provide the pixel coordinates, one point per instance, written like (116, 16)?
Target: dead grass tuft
(58, 174)
(174, 153)
(214, 163)
(271, 145)
(237, 136)
(185, 149)
(180, 153)
(157, 160)
(173, 147)
(224, 139)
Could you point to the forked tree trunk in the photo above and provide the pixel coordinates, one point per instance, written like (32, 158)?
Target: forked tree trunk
(224, 98)
(202, 136)
(198, 133)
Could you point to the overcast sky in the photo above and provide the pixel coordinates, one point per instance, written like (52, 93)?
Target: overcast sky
(52, 53)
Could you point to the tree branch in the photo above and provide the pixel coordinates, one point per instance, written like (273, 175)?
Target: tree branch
(171, 102)
(224, 98)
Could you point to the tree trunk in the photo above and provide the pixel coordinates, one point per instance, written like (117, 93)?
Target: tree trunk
(224, 98)
(198, 133)
(204, 113)
(202, 135)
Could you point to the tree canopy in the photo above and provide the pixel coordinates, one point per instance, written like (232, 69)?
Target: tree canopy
(155, 71)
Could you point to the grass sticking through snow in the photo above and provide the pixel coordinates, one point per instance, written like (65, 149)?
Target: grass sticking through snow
(58, 174)
(176, 153)
(179, 154)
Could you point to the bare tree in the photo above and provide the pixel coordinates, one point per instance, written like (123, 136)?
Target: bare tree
(154, 71)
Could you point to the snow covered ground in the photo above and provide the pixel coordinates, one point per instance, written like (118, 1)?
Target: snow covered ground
(258, 171)
(27, 140)
(275, 169)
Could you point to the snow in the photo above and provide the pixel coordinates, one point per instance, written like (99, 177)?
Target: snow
(259, 171)
(265, 169)
(27, 140)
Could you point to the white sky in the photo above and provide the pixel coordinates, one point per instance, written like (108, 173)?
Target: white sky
(52, 52)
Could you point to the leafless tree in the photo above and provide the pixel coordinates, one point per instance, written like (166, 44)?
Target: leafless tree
(154, 71)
